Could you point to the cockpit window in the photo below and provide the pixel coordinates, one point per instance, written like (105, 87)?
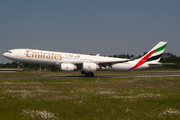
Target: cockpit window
(9, 51)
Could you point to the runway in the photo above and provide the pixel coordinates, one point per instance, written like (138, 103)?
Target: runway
(103, 76)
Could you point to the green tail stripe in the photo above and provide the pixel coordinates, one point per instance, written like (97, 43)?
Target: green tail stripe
(160, 48)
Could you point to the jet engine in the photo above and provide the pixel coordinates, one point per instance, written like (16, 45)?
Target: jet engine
(89, 66)
(68, 67)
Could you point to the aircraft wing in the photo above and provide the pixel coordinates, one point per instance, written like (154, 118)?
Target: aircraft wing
(110, 63)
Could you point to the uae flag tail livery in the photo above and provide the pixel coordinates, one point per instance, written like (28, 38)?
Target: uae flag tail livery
(153, 57)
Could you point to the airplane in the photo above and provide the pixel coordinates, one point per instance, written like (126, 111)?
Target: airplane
(87, 63)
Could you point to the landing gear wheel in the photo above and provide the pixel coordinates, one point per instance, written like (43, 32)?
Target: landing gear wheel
(91, 74)
(83, 72)
(88, 74)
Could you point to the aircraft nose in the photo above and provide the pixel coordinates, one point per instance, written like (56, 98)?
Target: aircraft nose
(4, 54)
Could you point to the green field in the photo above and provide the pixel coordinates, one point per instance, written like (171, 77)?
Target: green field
(89, 98)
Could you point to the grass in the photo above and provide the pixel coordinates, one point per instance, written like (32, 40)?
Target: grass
(90, 98)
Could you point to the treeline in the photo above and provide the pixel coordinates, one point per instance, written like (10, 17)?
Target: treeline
(170, 58)
(166, 58)
(28, 66)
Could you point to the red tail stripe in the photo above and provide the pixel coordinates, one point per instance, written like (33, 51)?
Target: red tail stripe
(143, 60)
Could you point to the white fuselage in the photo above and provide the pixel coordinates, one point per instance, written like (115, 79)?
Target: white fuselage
(56, 58)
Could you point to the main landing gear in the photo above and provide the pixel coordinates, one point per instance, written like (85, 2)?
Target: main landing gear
(88, 74)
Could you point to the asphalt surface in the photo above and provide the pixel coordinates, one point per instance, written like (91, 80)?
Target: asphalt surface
(104, 76)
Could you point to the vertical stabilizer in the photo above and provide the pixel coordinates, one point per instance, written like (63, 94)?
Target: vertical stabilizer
(155, 53)
(153, 56)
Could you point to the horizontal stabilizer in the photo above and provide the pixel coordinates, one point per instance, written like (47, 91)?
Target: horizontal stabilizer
(159, 64)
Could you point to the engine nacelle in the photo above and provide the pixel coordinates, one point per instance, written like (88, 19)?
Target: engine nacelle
(90, 66)
(68, 67)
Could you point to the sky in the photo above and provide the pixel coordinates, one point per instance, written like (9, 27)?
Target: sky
(105, 27)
